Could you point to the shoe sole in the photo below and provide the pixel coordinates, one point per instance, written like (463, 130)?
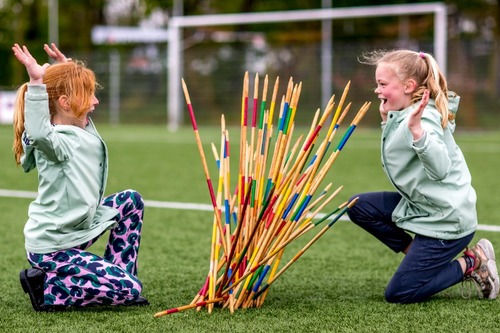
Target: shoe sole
(489, 252)
(141, 302)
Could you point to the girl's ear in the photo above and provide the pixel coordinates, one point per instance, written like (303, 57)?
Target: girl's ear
(410, 86)
(63, 102)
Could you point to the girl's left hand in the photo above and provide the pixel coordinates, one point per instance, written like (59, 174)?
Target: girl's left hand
(54, 53)
(414, 121)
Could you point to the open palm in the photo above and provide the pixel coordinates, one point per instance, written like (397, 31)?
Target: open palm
(35, 71)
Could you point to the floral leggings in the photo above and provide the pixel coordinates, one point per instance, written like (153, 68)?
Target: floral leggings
(76, 277)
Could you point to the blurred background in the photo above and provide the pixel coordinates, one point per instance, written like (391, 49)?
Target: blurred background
(126, 42)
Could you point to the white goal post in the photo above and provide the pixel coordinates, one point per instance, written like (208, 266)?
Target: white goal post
(177, 23)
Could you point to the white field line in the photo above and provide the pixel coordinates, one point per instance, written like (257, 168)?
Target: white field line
(189, 206)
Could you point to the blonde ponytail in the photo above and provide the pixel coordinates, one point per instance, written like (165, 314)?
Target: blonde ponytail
(17, 146)
(436, 83)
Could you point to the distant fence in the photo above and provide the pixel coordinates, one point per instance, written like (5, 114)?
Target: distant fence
(214, 73)
(136, 77)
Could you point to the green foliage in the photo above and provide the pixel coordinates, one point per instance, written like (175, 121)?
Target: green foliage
(336, 286)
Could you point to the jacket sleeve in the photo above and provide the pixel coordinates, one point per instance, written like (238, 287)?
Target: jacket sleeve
(433, 152)
(42, 136)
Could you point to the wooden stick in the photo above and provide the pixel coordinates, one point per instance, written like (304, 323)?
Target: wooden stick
(190, 306)
(202, 154)
(308, 245)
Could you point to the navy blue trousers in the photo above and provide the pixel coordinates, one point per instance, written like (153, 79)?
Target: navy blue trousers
(428, 267)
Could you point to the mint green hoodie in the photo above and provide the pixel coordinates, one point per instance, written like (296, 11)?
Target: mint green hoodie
(433, 178)
(72, 171)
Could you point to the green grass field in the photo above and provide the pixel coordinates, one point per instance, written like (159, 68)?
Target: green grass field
(336, 286)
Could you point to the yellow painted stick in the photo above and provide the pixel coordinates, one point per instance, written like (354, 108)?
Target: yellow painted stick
(190, 306)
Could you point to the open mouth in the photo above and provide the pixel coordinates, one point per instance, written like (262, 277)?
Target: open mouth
(383, 102)
(87, 117)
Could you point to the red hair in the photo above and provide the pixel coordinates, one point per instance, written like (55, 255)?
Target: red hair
(71, 79)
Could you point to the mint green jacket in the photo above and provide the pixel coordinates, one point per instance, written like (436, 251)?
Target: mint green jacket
(72, 166)
(438, 199)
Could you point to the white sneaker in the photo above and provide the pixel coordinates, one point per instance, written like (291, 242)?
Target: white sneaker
(484, 274)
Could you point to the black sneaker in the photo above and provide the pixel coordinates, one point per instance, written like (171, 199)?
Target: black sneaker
(32, 281)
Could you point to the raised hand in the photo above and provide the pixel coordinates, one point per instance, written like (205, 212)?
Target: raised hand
(54, 53)
(414, 121)
(35, 71)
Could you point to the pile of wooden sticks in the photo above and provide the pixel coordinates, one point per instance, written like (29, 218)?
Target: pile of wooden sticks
(277, 197)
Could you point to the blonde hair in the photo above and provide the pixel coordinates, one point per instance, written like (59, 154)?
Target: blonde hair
(72, 79)
(423, 69)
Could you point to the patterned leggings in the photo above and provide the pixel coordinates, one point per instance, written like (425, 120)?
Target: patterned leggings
(76, 277)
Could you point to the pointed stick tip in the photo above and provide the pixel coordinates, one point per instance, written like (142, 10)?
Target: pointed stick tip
(352, 202)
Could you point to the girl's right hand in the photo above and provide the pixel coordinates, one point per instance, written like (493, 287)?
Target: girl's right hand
(35, 71)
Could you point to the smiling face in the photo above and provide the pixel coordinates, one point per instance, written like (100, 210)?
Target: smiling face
(395, 94)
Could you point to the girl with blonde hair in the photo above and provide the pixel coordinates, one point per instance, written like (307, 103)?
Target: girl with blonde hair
(54, 134)
(431, 216)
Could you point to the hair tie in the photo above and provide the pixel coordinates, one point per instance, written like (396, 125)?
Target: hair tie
(422, 55)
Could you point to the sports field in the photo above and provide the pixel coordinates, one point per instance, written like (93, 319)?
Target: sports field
(336, 286)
